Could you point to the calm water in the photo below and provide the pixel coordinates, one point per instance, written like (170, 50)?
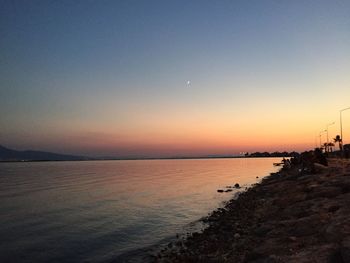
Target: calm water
(100, 211)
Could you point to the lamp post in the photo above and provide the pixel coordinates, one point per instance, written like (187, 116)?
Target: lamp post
(327, 134)
(320, 137)
(341, 125)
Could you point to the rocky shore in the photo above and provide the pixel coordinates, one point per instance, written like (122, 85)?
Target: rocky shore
(291, 216)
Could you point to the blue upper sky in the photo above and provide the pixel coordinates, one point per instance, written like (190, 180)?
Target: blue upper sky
(78, 71)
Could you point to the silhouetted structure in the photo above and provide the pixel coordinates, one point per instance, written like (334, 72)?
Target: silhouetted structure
(346, 148)
(307, 160)
(274, 154)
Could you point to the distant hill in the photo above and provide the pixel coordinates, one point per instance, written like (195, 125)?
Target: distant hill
(30, 155)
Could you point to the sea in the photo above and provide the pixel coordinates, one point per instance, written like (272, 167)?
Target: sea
(112, 211)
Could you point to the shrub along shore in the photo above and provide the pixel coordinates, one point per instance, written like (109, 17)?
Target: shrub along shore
(300, 214)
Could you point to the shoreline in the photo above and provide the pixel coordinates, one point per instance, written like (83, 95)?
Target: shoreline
(142, 159)
(290, 216)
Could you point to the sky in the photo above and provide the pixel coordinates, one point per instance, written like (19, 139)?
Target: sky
(173, 78)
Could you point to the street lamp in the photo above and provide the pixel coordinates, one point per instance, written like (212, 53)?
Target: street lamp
(341, 125)
(327, 133)
(320, 137)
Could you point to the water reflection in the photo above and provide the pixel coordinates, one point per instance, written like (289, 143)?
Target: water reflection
(74, 211)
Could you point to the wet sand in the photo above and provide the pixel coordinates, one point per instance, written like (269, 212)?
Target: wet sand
(289, 217)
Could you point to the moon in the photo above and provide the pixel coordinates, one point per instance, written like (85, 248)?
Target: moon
(188, 83)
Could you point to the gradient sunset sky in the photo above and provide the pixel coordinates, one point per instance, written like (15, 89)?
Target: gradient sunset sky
(168, 78)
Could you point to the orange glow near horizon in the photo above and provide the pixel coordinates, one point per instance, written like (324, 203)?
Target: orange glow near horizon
(188, 137)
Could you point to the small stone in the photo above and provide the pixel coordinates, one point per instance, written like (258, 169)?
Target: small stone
(236, 236)
(262, 231)
(237, 185)
(292, 238)
(220, 191)
(333, 208)
(274, 257)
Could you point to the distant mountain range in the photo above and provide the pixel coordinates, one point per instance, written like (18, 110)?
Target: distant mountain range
(30, 155)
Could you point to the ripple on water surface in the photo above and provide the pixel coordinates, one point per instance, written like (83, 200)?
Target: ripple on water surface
(104, 210)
